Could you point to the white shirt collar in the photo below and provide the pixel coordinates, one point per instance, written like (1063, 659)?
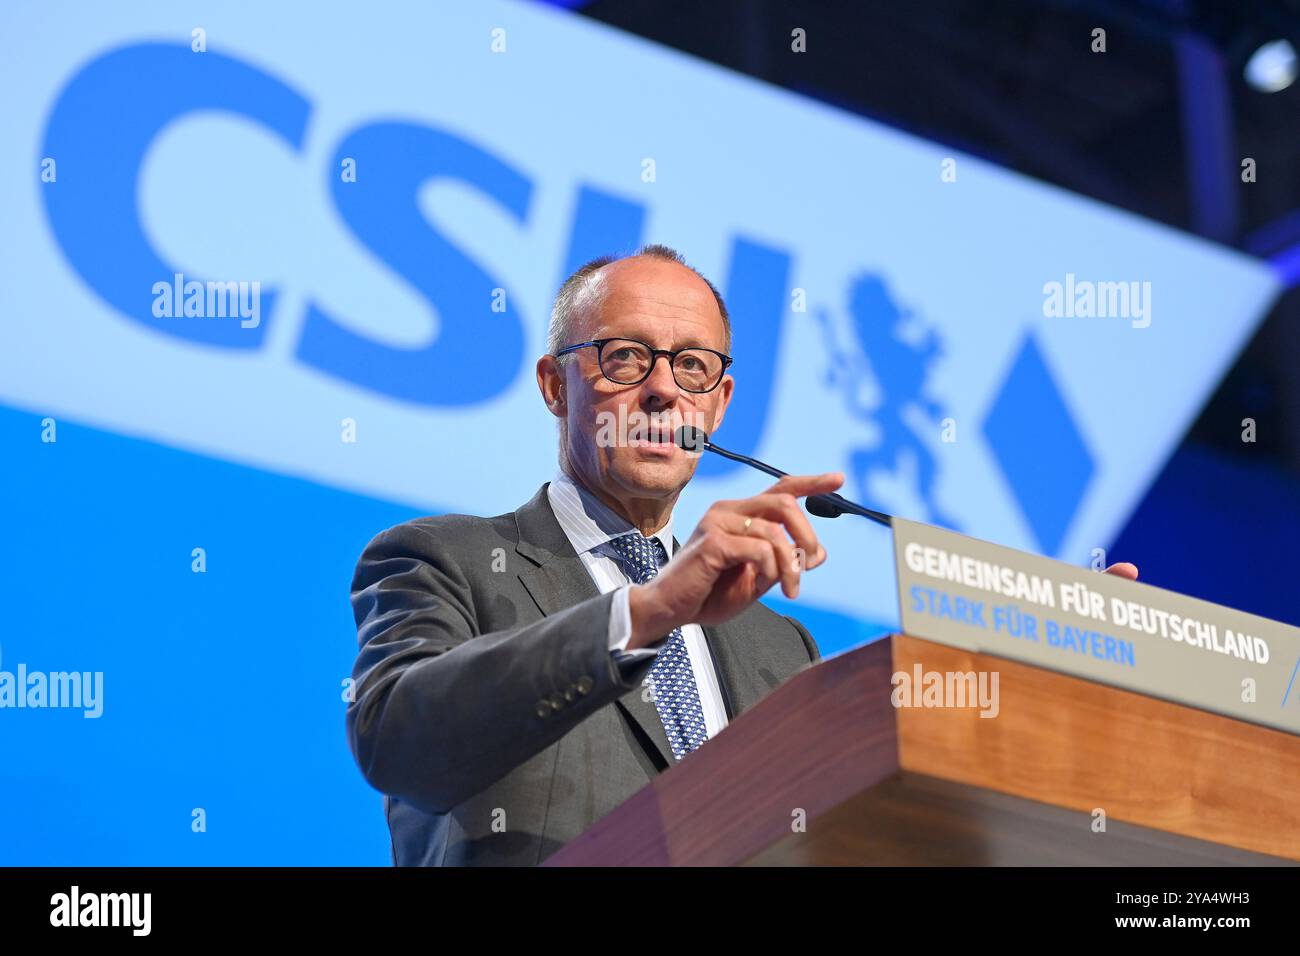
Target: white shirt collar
(589, 522)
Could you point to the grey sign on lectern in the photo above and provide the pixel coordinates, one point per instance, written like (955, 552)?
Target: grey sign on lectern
(984, 597)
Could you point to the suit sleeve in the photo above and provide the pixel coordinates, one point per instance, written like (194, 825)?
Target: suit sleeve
(814, 653)
(440, 711)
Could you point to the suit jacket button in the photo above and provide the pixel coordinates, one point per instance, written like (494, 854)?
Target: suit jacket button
(557, 702)
(570, 692)
(543, 708)
(585, 684)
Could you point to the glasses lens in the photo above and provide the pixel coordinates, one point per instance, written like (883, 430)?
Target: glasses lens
(697, 370)
(625, 361)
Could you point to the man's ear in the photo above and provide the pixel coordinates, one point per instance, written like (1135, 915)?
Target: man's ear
(724, 399)
(550, 382)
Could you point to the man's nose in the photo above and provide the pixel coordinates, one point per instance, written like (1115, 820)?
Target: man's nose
(660, 382)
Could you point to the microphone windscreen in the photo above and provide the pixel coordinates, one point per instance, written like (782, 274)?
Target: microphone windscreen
(822, 507)
(690, 438)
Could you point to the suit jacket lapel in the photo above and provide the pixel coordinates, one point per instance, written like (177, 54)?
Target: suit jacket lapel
(558, 580)
(723, 665)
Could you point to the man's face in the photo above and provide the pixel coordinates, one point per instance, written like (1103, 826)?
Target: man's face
(666, 306)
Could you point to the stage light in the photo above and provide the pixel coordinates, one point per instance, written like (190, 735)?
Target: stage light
(1272, 67)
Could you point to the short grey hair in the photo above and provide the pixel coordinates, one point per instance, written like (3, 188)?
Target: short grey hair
(585, 284)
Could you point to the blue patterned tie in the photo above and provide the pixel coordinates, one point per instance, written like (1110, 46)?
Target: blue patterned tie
(671, 679)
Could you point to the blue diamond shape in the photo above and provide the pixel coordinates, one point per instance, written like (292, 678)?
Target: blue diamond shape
(1038, 447)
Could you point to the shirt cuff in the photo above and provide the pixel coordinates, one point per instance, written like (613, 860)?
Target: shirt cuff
(620, 630)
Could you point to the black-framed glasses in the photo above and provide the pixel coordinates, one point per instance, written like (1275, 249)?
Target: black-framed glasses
(628, 362)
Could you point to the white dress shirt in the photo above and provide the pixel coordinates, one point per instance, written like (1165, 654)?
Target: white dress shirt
(589, 524)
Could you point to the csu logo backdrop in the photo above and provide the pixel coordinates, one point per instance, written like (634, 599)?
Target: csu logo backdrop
(406, 185)
(408, 210)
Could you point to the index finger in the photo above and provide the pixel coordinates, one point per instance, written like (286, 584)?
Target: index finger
(801, 485)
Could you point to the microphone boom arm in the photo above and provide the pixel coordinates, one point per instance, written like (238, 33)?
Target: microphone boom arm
(824, 506)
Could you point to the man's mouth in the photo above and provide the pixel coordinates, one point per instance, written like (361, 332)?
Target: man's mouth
(650, 430)
(656, 436)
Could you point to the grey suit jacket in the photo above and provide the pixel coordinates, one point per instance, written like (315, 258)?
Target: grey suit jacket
(487, 707)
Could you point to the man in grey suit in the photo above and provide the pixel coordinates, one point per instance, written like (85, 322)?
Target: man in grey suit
(519, 676)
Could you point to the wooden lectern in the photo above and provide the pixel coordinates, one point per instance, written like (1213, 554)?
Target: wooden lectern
(879, 785)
